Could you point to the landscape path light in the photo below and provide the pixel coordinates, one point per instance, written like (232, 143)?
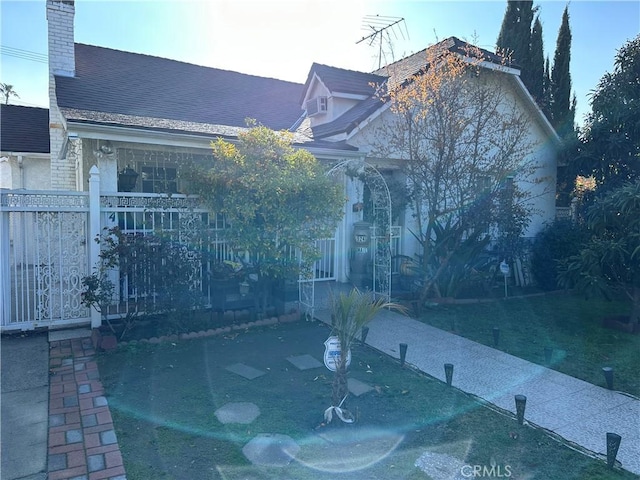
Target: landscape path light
(613, 444)
(448, 372)
(363, 334)
(548, 353)
(521, 404)
(608, 376)
(403, 353)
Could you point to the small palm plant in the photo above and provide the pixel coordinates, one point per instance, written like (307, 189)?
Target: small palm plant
(350, 312)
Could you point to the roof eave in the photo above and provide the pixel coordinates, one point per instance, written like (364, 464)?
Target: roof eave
(546, 125)
(148, 135)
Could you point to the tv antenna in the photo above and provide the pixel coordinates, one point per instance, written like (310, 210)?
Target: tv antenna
(378, 27)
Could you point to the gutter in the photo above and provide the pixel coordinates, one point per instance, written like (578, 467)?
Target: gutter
(543, 118)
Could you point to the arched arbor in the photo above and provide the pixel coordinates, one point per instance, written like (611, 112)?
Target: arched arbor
(379, 217)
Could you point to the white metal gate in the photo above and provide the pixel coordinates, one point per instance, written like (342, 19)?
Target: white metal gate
(325, 266)
(44, 256)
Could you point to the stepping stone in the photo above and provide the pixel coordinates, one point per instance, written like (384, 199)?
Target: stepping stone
(271, 450)
(338, 449)
(357, 387)
(237, 412)
(245, 371)
(440, 465)
(304, 362)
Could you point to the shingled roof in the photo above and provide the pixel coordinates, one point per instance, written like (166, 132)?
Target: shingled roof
(400, 71)
(114, 86)
(340, 80)
(24, 129)
(393, 74)
(349, 120)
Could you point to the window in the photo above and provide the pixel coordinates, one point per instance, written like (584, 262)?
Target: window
(159, 179)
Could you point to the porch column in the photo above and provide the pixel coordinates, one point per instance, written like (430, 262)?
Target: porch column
(94, 231)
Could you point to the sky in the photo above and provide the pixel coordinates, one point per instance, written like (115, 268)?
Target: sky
(282, 38)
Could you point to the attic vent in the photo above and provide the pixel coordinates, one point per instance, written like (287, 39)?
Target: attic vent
(316, 106)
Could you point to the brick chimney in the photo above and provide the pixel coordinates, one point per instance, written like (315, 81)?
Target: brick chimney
(62, 60)
(62, 63)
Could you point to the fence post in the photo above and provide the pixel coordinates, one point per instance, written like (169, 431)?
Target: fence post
(5, 271)
(94, 231)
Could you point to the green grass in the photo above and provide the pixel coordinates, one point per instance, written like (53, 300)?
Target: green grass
(163, 399)
(568, 323)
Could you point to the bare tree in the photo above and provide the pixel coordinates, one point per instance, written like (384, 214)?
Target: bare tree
(467, 153)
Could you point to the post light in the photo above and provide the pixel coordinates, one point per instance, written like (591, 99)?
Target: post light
(403, 353)
(608, 376)
(364, 333)
(613, 444)
(521, 404)
(448, 372)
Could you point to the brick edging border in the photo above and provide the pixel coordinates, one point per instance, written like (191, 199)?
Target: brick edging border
(108, 342)
(82, 443)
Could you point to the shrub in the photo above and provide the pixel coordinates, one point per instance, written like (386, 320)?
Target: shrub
(154, 273)
(557, 241)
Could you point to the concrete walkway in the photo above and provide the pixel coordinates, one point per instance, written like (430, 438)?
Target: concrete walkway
(25, 402)
(575, 410)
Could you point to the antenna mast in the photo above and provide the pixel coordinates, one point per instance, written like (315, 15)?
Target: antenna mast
(377, 26)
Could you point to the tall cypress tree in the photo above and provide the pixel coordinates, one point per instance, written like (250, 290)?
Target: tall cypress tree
(562, 111)
(515, 36)
(536, 86)
(546, 90)
(507, 38)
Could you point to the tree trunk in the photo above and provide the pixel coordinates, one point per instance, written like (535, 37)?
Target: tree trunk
(340, 388)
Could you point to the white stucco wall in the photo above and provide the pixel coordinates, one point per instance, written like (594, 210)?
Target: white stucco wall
(28, 171)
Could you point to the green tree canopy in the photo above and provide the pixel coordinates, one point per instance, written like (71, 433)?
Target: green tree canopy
(515, 37)
(546, 89)
(562, 107)
(611, 140)
(536, 79)
(610, 262)
(276, 199)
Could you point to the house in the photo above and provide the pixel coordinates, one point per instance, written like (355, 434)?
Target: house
(24, 148)
(137, 118)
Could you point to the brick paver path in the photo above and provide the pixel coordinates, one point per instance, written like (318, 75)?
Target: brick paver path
(82, 441)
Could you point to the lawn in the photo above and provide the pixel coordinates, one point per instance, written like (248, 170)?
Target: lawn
(163, 399)
(568, 323)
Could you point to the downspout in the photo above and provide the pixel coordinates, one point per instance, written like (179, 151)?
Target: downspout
(21, 168)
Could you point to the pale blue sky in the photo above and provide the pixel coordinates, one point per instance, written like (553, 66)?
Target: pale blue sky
(282, 38)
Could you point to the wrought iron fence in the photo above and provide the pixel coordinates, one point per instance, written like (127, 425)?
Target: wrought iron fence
(48, 245)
